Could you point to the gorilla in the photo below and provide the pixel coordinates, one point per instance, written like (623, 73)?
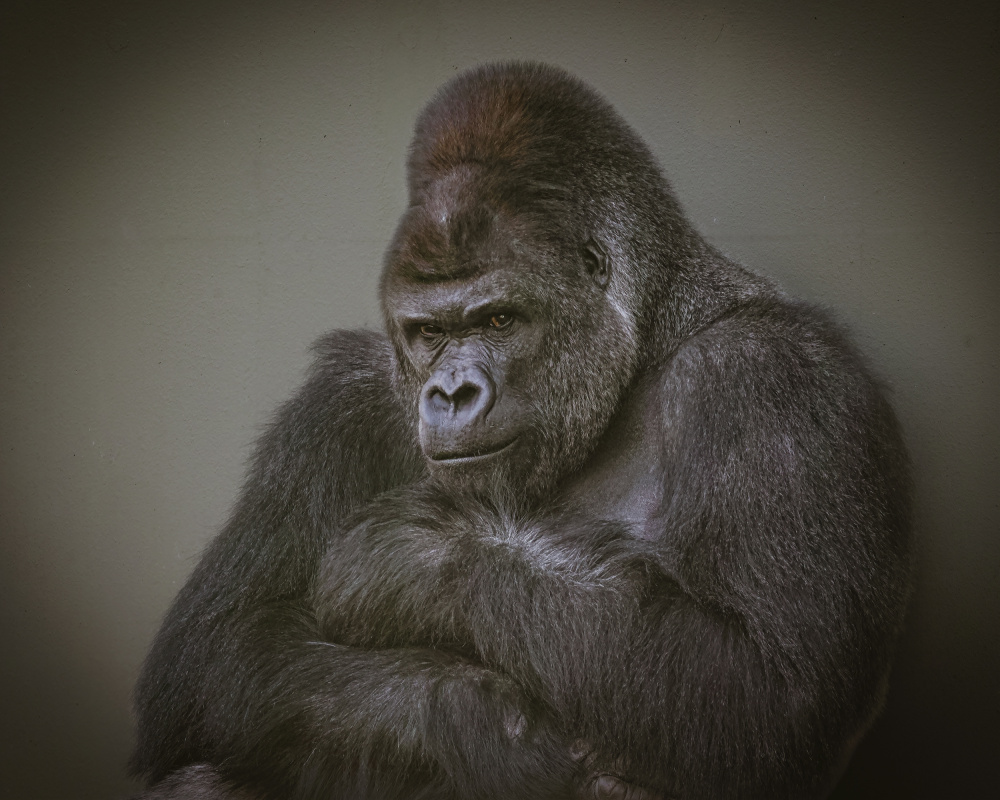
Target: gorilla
(602, 514)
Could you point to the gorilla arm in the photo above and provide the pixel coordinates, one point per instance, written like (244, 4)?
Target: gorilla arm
(737, 650)
(237, 677)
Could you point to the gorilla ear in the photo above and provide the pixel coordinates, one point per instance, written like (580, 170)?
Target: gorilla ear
(598, 263)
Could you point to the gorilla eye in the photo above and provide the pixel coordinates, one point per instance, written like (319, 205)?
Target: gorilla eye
(429, 331)
(499, 321)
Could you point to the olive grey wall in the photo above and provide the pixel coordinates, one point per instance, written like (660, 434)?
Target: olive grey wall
(192, 192)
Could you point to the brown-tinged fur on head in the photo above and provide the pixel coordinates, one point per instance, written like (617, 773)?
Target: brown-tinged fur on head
(532, 141)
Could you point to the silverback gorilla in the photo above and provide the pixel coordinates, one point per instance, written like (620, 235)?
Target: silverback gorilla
(603, 515)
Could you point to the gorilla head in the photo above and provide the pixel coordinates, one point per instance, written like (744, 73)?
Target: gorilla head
(520, 287)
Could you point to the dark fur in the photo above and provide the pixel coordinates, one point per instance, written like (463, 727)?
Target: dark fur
(686, 574)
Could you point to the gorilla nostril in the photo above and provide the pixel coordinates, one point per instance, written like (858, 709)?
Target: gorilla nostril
(464, 396)
(439, 401)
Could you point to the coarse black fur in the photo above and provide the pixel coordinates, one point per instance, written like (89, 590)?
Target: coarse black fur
(604, 514)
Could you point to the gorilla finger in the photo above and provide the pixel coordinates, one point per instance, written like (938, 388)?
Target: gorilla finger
(610, 787)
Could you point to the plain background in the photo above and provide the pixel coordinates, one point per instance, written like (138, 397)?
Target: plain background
(193, 192)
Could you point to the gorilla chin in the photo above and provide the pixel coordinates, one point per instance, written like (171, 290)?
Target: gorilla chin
(489, 474)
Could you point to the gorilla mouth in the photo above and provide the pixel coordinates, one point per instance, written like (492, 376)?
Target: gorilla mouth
(456, 458)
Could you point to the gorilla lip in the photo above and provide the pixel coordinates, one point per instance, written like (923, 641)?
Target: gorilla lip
(458, 459)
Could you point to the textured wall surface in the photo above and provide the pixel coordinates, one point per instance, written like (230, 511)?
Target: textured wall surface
(190, 193)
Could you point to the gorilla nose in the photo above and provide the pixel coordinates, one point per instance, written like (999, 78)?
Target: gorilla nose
(456, 398)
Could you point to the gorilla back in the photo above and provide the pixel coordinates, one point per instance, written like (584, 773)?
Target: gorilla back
(604, 514)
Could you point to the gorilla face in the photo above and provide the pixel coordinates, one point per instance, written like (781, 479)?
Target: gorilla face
(473, 343)
(507, 348)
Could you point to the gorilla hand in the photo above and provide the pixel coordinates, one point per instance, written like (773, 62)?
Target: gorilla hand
(602, 784)
(605, 786)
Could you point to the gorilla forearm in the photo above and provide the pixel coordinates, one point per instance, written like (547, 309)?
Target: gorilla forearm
(553, 604)
(308, 727)
(421, 567)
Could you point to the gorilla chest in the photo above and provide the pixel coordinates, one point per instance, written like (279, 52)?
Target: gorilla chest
(623, 480)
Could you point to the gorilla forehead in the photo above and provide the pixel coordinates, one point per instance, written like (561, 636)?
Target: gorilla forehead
(458, 231)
